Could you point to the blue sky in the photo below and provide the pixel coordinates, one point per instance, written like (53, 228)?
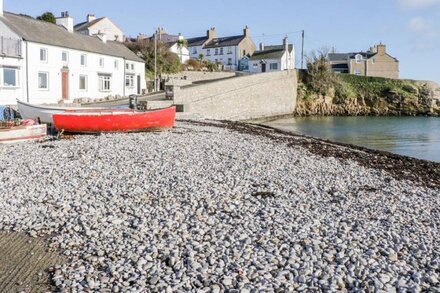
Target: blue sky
(410, 28)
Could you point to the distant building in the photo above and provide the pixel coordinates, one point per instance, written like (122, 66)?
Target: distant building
(43, 62)
(375, 62)
(271, 58)
(226, 51)
(175, 43)
(100, 26)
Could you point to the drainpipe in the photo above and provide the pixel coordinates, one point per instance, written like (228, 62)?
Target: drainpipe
(27, 70)
(123, 79)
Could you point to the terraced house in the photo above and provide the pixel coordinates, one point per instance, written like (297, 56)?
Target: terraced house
(374, 62)
(41, 62)
(226, 51)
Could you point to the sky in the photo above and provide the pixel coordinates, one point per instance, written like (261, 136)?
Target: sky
(409, 28)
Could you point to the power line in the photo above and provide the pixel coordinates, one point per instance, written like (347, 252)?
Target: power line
(277, 35)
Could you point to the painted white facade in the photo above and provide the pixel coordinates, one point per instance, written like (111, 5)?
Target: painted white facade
(227, 56)
(286, 62)
(182, 52)
(104, 27)
(124, 77)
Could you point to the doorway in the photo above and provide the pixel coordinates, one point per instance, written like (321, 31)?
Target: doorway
(65, 84)
(263, 67)
(138, 84)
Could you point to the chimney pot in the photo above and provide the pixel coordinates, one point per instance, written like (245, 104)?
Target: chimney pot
(66, 21)
(261, 46)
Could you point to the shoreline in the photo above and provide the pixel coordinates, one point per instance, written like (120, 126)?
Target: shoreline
(426, 173)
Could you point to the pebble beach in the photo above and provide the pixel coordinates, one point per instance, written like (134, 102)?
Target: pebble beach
(208, 207)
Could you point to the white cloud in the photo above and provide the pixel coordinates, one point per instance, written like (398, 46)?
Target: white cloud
(418, 3)
(423, 27)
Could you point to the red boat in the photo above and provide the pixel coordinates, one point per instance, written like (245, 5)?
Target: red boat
(114, 120)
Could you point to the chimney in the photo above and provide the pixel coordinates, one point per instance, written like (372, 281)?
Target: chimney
(66, 21)
(381, 49)
(90, 17)
(211, 33)
(1, 7)
(286, 43)
(261, 46)
(246, 31)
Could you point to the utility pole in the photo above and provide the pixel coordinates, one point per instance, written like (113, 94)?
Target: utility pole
(302, 51)
(155, 61)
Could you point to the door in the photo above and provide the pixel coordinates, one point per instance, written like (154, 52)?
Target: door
(65, 84)
(139, 84)
(263, 67)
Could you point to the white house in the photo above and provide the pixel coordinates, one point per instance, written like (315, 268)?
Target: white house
(226, 51)
(171, 41)
(99, 26)
(270, 58)
(42, 62)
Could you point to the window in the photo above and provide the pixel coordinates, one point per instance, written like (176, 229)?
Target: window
(216, 51)
(104, 82)
(255, 65)
(65, 56)
(358, 58)
(83, 82)
(229, 50)
(357, 72)
(116, 64)
(127, 66)
(221, 51)
(129, 80)
(132, 66)
(101, 62)
(83, 60)
(373, 61)
(195, 50)
(229, 61)
(208, 52)
(10, 77)
(43, 55)
(43, 80)
(273, 66)
(244, 52)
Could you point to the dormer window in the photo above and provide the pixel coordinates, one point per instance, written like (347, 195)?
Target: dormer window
(358, 58)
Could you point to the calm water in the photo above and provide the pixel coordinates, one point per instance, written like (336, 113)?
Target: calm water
(417, 137)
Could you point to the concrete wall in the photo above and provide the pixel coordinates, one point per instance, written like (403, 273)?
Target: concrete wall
(241, 98)
(194, 76)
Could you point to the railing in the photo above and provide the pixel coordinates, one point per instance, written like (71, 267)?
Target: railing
(10, 47)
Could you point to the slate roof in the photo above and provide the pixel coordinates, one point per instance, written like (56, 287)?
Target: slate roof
(193, 42)
(343, 57)
(51, 34)
(267, 54)
(85, 25)
(270, 52)
(224, 42)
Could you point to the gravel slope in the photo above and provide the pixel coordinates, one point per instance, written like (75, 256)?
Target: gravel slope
(203, 208)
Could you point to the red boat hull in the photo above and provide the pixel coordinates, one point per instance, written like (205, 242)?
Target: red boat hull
(114, 120)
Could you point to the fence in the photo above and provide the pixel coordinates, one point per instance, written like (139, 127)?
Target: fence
(10, 47)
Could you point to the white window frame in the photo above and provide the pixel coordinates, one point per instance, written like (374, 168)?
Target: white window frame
(273, 66)
(132, 66)
(216, 51)
(373, 61)
(129, 80)
(65, 53)
(85, 83)
(85, 60)
(194, 50)
(358, 58)
(127, 66)
(17, 77)
(44, 55)
(47, 81)
(101, 62)
(357, 72)
(208, 52)
(117, 64)
(221, 51)
(229, 50)
(104, 83)
(229, 61)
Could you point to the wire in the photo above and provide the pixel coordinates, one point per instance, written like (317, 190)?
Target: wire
(277, 35)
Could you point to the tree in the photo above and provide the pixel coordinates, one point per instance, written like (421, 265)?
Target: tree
(47, 17)
(181, 43)
(167, 62)
(319, 77)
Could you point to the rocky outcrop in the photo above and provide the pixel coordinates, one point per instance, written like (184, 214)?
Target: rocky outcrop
(411, 99)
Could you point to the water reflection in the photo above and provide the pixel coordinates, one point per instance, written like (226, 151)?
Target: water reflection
(417, 137)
